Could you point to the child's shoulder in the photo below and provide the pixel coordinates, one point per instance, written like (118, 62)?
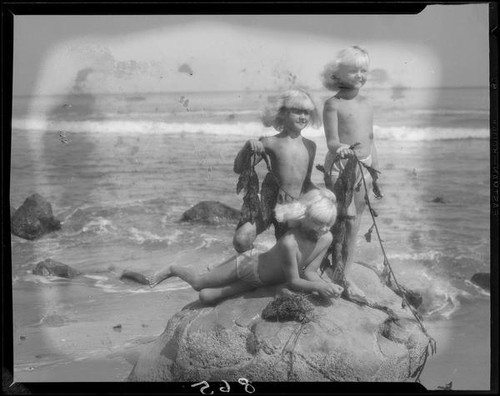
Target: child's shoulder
(332, 103)
(289, 240)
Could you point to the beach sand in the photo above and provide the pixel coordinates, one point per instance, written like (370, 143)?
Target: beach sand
(39, 348)
(51, 350)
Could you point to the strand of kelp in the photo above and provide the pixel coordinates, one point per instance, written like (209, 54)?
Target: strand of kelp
(388, 272)
(252, 205)
(344, 190)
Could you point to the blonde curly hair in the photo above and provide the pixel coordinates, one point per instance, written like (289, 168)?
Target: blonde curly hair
(354, 55)
(275, 112)
(319, 204)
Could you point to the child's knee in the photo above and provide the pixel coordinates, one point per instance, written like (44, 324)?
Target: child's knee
(244, 237)
(241, 244)
(208, 296)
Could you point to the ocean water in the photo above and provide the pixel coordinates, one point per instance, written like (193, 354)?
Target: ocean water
(119, 171)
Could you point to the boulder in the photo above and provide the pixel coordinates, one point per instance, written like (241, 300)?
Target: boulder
(55, 268)
(34, 218)
(211, 212)
(335, 340)
(481, 279)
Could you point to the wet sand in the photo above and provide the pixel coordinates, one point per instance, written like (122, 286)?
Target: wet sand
(103, 344)
(100, 342)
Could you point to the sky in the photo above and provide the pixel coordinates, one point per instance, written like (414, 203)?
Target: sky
(443, 46)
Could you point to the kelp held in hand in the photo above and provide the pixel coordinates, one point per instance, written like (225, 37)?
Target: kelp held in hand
(269, 197)
(344, 191)
(249, 182)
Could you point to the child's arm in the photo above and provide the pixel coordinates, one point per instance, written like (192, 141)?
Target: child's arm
(311, 271)
(294, 281)
(243, 157)
(330, 121)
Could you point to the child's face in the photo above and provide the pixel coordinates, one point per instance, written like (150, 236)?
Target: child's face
(297, 119)
(314, 226)
(352, 76)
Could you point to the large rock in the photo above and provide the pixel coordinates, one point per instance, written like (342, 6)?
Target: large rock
(55, 268)
(34, 218)
(481, 279)
(211, 212)
(342, 342)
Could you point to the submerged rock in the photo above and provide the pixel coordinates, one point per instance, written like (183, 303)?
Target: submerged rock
(211, 212)
(481, 279)
(34, 218)
(413, 297)
(439, 200)
(134, 276)
(55, 268)
(338, 341)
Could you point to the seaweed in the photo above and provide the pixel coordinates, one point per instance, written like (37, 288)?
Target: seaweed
(269, 197)
(249, 182)
(344, 191)
(290, 307)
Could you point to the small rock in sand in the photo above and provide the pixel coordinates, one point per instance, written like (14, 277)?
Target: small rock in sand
(52, 267)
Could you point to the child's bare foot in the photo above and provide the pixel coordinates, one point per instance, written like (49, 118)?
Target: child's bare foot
(160, 276)
(338, 289)
(354, 293)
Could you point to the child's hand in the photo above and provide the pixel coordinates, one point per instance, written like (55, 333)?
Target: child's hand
(255, 146)
(345, 151)
(330, 290)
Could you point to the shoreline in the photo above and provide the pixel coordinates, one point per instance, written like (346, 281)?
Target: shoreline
(116, 351)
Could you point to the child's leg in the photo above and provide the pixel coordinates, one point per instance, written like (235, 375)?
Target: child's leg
(221, 275)
(244, 237)
(212, 295)
(160, 276)
(356, 209)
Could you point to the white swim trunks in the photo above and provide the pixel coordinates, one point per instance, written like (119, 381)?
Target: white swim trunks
(247, 267)
(339, 165)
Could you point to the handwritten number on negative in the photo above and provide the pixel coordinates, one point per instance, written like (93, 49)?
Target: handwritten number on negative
(226, 388)
(202, 390)
(244, 381)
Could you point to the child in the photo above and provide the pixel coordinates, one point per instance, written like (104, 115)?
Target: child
(291, 160)
(348, 119)
(294, 259)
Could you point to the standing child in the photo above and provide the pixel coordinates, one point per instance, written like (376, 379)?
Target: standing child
(348, 119)
(291, 161)
(294, 259)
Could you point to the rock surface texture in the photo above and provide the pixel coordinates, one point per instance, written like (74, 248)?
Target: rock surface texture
(34, 218)
(211, 212)
(339, 341)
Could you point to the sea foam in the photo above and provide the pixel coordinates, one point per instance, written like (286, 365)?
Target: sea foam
(247, 129)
